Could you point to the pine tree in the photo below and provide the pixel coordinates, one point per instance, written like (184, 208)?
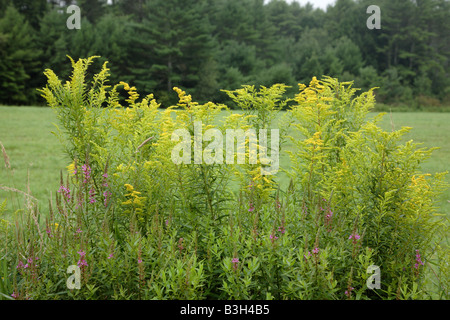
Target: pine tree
(134, 8)
(170, 46)
(111, 43)
(32, 10)
(92, 9)
(18, 58)
(285, 19)
(52, 40)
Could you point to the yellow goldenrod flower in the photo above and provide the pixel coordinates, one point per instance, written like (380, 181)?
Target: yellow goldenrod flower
(71, 168)
(315, 139)
(125, 85)
(129, 187)
(127, 202)
(313, 82)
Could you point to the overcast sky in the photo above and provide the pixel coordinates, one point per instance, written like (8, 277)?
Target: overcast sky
(316, 3)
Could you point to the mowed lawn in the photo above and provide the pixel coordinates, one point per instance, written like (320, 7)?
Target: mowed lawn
(35, 154)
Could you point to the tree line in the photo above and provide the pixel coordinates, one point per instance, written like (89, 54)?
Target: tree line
(203, 46)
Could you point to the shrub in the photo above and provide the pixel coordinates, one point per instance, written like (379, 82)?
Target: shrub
(142, 226)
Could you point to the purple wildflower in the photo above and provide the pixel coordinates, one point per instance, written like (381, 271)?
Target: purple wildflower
(105, 183)
(278, 204)
(92, 196)
(306, 257)
(180, 244)
(82, 261)
(87, 173)
(235, 262)
(355, 237)
(348, 292)
(418, 260)
(328, 219)
(106, 194)
(252, 208)
(315, 250)
(65, 192)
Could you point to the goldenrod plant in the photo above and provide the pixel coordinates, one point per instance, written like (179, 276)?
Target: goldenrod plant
(143, 212)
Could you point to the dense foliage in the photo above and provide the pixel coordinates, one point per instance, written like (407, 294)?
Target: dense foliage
(207, 45)
(140, 226)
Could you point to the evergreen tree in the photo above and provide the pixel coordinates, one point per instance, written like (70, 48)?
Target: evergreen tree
(52, 40)
(18, 58)
(32, 10)
(284, 18)
(92, 9)
(134, 8)
(171, 45)
(206, 45)
(111, 42)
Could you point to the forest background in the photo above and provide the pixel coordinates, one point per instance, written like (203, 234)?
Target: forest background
(204, 46)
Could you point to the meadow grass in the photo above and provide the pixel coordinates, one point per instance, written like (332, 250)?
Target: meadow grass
(35, 154)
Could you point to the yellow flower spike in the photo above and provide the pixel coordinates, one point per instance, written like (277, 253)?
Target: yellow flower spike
(129, 187)
(313, 82)
(71, 168)
(178, 90)
(266, 180)
(125, 85)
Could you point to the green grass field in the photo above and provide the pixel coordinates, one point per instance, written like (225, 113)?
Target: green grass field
(36, 155)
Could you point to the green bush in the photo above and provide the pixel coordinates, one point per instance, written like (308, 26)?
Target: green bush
(140, 226)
